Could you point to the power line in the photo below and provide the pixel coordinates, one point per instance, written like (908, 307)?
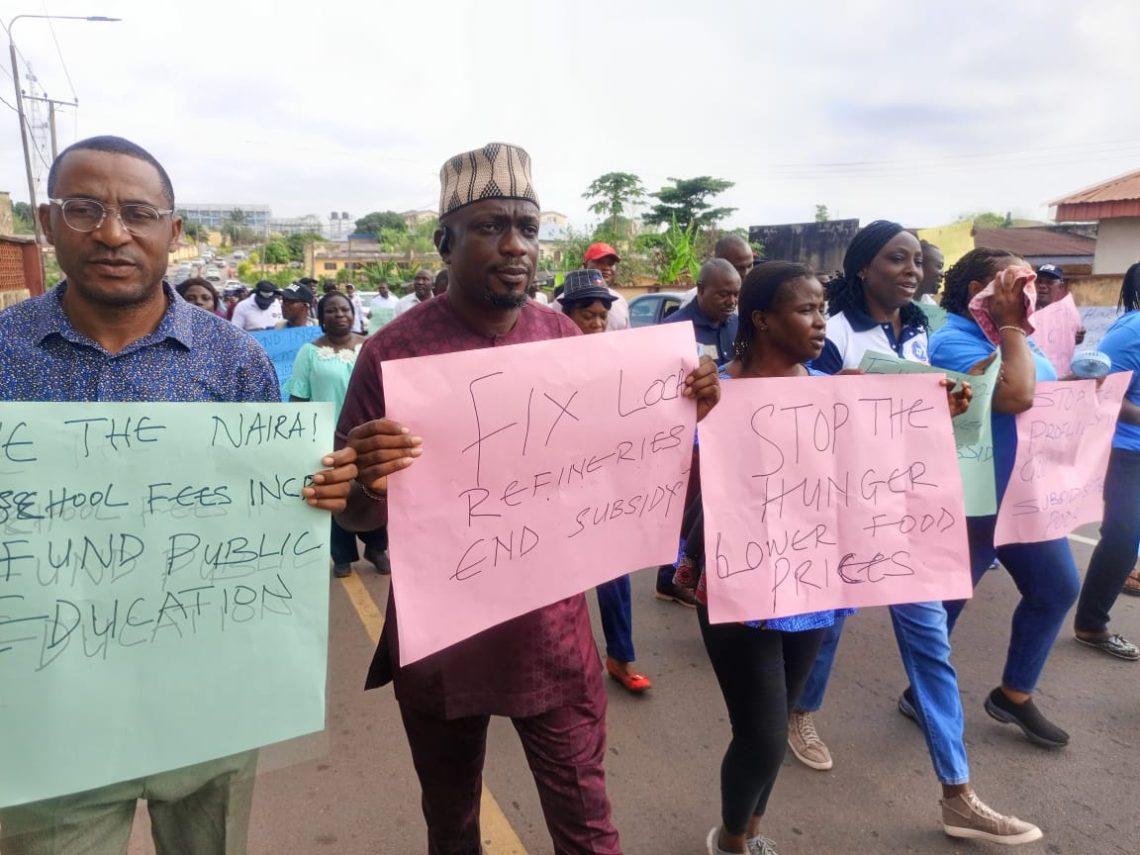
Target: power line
(59, 52)
(1044, 156)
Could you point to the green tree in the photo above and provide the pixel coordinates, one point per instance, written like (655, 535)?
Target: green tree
(416, 241)
(277, 252)
(569, 251)
(296, 244)
(677, 254)
(686, 201)
(23, 218)
(988, 220)
(821, 214)
(614, 194)
(377, 221)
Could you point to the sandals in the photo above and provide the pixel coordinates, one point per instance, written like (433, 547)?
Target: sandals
(1132, 584)
(635, 683)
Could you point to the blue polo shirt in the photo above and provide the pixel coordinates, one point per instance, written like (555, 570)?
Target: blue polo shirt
(708, 331)
(193, 355)
(959, 345)
(852, 333)
(1122, 344)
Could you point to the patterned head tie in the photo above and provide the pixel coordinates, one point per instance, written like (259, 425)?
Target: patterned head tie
(495, 171)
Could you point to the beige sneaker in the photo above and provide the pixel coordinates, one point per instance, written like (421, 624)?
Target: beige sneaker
(968, 816)
(805, 742)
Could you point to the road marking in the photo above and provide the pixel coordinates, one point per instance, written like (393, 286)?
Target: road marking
(498, 836)
(1088, 541)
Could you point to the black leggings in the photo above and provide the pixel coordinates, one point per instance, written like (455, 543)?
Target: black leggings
(761, 673)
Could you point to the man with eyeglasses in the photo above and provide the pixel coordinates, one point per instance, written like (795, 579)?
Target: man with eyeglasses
(113, 330)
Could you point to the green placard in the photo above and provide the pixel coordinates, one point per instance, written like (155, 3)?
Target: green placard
(973, 431)
(935, 316)
(163, 587)
(380, 318)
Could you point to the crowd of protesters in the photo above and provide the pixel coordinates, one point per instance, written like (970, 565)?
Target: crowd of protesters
(111, 221)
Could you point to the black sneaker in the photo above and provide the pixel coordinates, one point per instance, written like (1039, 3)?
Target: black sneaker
(379, 559)
(342, 571)
(906, 704)
(1033, 724)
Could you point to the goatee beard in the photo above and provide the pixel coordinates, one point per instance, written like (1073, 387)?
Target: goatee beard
(505, 301)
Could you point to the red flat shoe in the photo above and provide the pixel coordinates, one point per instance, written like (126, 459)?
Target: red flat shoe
(636, 683)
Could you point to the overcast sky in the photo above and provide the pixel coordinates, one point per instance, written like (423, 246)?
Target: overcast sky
(914, 111)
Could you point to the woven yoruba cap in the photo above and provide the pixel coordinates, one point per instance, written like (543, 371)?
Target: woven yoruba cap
(495, 171)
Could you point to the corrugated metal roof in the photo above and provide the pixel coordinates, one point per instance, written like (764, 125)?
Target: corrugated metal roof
(1035, 242)
(1121, 188)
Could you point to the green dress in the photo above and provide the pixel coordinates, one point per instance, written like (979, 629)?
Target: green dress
(322, 374)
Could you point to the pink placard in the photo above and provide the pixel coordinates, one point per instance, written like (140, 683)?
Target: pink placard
(1063, 443)
(1055, 332)
(548, 468)
(828, 492)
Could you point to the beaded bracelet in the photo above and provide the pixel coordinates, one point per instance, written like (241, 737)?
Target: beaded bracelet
(376, 497)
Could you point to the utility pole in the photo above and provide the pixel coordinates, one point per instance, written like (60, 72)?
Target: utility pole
(22, 118)
(52, 102)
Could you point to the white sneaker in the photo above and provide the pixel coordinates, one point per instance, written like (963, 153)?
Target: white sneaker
(758, 845)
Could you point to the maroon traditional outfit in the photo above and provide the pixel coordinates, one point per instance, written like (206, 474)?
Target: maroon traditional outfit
(542, 669)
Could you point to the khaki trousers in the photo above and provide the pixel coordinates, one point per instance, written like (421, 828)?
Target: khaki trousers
(198, 810)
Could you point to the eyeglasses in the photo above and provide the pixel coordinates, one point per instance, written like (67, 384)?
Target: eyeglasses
(86, 215)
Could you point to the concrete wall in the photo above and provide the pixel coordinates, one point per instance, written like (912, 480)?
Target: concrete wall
(1102, 290)
(819, 245)
(1117, 245)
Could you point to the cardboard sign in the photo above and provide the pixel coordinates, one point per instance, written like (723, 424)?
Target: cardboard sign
(158, 566)
(1063, 444)
(1055, 332)
(973, 430)
(548, 468)
(282, 346)
(830, 492)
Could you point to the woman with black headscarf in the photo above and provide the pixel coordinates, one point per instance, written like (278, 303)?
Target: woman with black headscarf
(871, 309)
(871, 305)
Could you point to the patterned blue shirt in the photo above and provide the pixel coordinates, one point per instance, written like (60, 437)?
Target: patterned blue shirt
(193, 355)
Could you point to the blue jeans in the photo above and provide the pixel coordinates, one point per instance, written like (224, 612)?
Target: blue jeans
(616, 608)
(811, 698)
(1049, 582)
(1115, 554)
(924, 645)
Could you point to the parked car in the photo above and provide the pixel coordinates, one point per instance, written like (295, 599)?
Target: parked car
(649, 309)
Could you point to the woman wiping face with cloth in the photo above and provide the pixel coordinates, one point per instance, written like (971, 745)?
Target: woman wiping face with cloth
(1044, 573)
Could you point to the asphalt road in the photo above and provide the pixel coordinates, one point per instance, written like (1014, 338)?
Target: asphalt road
(352, 790)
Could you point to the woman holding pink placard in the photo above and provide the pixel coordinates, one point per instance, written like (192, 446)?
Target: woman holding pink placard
(1044, 572)
(761, 666)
